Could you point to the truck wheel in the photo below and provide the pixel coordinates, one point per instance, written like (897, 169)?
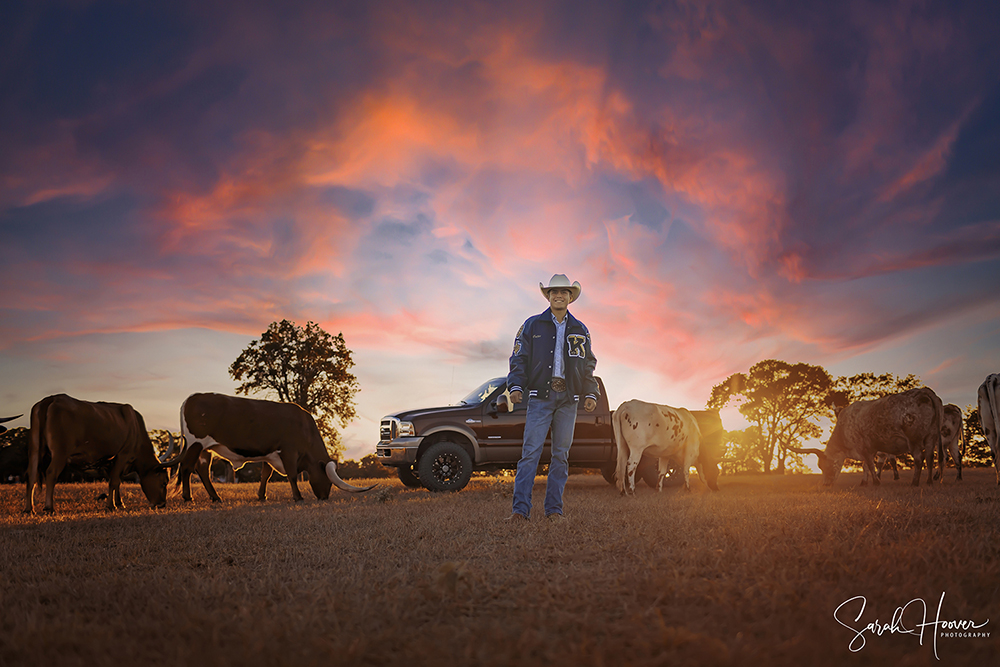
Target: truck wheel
(408, 476)
(445, 466)
(608, 471)
(649, 471)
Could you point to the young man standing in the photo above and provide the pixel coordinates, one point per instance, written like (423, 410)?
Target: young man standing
(554, 363)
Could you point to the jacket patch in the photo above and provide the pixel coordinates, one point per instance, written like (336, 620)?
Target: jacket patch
(577, 345)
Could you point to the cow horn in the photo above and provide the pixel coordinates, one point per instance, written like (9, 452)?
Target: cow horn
(331, 472)
(817, 452)
(9, 419)
(170, 450)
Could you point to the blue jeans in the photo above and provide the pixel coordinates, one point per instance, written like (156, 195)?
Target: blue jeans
(559, 412)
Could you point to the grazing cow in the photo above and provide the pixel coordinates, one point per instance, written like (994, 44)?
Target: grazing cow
(666, 432)
(989, 416)
(65, 429)
(241, 430)
(897, 423)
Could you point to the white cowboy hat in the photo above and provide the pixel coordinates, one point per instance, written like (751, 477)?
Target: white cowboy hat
(560, 280)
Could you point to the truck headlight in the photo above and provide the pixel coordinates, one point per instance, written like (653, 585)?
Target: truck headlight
(406, 430)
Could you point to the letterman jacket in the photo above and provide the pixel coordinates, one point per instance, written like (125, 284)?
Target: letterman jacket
(534, 351)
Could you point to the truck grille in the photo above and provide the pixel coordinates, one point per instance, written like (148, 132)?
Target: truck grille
(389, 429)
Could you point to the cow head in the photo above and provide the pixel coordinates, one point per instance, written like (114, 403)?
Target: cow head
(154, 485)
(829, 465)
(318, 480)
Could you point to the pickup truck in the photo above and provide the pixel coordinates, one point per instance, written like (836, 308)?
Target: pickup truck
(439, 448)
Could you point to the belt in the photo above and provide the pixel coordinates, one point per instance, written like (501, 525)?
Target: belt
(558, 384)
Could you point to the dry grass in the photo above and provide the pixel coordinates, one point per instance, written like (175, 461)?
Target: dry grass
(398, 576)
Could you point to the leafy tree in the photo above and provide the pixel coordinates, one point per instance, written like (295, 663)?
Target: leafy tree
(868, 386)
(743, 451)
(977, 450)
(783, 401)
(306, 366)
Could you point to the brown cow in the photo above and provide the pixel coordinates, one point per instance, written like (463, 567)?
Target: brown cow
(897, 423)
(65, 429)
(282, 435)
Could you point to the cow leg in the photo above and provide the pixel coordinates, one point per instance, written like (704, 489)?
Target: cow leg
(662, 470)
(289, 460)
(56, 466)
(204, 467)
(265, 476)
(114, 485)
(918, 464)
(870, 469)
(186, 467)
(895, 470)
(630, 467)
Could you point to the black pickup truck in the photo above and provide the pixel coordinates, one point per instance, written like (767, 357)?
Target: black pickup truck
(438, 448)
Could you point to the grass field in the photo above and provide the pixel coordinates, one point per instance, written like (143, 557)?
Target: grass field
(750, 575)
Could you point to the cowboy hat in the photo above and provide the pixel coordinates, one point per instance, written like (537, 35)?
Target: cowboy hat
(560, 280)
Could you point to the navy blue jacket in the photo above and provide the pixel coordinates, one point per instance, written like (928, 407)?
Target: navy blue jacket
(534, 351)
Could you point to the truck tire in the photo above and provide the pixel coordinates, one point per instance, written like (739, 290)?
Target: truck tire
(648, 470)
(608, 471)
(408, 476)
(445, 466)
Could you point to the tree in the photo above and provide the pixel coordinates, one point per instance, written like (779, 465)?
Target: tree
(783, 401)
(868, 386)
(743, 451)
(306, 366)
(977, 451)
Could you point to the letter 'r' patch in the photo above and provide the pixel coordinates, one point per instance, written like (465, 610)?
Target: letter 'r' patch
(577, 345)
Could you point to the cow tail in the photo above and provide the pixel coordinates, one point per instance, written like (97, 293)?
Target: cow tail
(622, 467)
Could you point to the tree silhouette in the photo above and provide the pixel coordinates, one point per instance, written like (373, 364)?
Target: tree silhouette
(783, 401)
(302, 365)
(868, 386)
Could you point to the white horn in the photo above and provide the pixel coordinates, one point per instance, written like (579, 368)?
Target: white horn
(331, 472)
(167, 461)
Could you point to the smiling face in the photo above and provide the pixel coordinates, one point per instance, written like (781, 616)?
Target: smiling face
(559, 298)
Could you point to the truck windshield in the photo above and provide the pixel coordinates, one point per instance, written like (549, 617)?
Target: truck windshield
(483, 391)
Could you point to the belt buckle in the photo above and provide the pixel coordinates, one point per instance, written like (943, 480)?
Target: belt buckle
(558, 384)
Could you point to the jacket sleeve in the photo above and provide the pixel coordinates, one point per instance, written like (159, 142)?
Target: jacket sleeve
(517, 378)
(590, 386)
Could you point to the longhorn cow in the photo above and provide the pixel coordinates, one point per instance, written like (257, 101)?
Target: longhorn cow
(897, 423)
(665, 432)
(65, 429)
(989, 416)
(241, 430)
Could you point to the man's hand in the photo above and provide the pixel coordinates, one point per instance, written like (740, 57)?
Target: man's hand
(515, 397)
(590, 404)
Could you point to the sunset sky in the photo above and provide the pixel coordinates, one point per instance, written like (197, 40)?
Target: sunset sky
(809, 181)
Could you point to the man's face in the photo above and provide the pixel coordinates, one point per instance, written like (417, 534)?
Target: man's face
(559, 298)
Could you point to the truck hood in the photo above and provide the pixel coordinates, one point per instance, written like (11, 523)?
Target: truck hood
(410, 415)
